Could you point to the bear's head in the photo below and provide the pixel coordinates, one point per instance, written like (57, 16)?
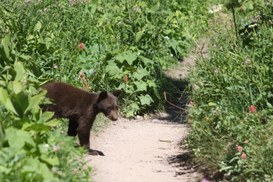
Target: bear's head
(108, 105)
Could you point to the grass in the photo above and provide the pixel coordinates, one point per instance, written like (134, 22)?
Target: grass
(232, 102)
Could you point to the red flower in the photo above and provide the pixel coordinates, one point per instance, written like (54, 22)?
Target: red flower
(239, 148)
(243, 156)
(82, 46)
(252, 108)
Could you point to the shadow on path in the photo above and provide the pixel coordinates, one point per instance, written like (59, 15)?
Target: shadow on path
(176, 100)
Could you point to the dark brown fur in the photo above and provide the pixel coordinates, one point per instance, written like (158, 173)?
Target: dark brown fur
(81, 108)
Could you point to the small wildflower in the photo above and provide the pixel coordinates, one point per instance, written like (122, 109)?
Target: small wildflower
(239, 148)
(81, 74)
(82, 46)
(126, 79)
(55, 66)
(247, 61)
(204, 180)
(191, 103)
(46, 146)
(252, 108)
(243, 156)
(137, 8)
(56, 148)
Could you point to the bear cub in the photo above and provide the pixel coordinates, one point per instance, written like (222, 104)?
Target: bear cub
(81, 108)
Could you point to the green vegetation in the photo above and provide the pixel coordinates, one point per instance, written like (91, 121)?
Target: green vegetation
(100, 44)
(231, 101)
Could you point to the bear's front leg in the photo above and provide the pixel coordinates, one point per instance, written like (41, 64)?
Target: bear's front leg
(84, 138)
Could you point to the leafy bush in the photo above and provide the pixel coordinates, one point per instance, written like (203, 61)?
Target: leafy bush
(103, 44)
(232, 104)
(28, 142)
(122, 41)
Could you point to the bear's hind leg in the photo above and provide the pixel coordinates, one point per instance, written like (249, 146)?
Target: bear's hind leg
(72, 127)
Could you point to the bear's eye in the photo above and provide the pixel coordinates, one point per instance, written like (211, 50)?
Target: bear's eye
(110, 108)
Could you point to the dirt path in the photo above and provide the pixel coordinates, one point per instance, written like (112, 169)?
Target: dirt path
(141, 151)
(148, 150)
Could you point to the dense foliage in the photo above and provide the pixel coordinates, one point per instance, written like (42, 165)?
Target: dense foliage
(115, 44)
(231, 106)
(101, 44)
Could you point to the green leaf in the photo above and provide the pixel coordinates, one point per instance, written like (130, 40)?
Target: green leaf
(38, 127)
(46, 116)
(145, 99)
(127, 56)
(34, 102)
(113, 70)
(141, 86)
(37, 27)
(5, 169)
(151, 83)
(25, 57)
(18, 138)
(33, 165)
(211, 104)
(146, 60)
(53, 122)
(17, 87)
(20, 71)
(139, 35)
(5, 100)
(6, 43)
(133, 108)
(54, 161)
(140, 74)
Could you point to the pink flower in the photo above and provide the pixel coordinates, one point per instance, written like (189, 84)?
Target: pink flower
(82, 46)
(252, 108)
(239, 148)
(243, 156)
(56, 148)
(204, 180)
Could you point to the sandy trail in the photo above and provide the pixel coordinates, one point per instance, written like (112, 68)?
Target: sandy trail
(148, 150)
(141, 151)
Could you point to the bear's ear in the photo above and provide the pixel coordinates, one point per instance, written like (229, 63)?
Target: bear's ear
(117, 93)
(102, 95)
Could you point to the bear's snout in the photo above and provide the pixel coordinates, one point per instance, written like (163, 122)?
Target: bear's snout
(113, 118)
(113, 115)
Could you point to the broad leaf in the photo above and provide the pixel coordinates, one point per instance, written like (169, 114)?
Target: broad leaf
(37, 27)
(145, 99)
(20, 71)
(140, 74)
(6, 43)
(17, 87)
(18, 138)
(35, 101)
(141, 86)
(5, 100)
(127, 56)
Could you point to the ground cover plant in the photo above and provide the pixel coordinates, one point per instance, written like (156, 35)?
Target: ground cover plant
(231, 101)
(97, 45)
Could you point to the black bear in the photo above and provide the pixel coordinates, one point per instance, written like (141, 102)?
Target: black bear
(81, 108)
